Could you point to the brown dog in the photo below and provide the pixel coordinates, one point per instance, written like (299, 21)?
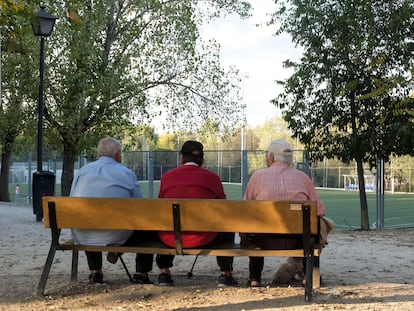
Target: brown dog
(288, 271)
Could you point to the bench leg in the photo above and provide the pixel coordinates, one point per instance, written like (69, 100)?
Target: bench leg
(74, 271)
(316, 273)
(309, 277)
(46, 270)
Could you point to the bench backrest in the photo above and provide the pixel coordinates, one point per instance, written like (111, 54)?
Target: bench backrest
(195, 214)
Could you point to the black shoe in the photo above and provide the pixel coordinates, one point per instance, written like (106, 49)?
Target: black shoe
(96, 277)
(141, 279)
(112, 257)
(225, 280)
(249, 283)
(165, 279)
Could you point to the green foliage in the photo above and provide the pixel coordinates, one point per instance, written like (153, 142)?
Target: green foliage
(15, 68)
(139, 137)
(15, 80)
(168, 141)
(13, 14)
(113, 64)
(345, 96)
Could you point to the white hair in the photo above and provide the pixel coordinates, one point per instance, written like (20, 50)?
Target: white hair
(109, 147)
(280, 157)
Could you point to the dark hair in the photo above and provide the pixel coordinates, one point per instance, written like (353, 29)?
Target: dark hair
(192, 151)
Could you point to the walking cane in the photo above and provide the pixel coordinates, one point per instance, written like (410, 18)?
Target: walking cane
(190, 274)
(125, 267)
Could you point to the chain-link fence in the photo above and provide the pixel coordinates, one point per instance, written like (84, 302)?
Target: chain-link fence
(345, 177)
(231, 165)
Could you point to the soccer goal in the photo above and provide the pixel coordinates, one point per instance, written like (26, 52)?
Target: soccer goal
(351, 182)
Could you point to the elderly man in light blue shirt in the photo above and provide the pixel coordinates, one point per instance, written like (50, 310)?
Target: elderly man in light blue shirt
(105, 177)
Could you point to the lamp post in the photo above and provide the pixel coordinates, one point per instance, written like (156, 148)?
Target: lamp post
(43, 182)
(243, 168)
(43, 27)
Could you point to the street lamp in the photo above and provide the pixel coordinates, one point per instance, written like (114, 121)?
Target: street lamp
(43, 182)
(42, 26)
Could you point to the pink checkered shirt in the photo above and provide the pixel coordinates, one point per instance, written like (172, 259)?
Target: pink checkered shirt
(280, 181)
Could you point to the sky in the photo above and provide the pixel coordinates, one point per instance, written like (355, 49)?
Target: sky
(258, 55)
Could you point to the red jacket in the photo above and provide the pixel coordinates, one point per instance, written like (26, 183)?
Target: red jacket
(190, 181)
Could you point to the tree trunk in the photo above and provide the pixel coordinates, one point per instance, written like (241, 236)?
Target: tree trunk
(360, 169)
(362, 196)
(5, 172)
(68, 169)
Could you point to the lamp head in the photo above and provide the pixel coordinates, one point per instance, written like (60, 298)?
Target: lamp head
(43, 23)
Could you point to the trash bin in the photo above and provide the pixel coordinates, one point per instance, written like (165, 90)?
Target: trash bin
(43, 185)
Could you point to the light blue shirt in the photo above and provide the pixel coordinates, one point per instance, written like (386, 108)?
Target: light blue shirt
(104, 178)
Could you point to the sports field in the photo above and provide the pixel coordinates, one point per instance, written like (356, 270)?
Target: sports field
(344, 208)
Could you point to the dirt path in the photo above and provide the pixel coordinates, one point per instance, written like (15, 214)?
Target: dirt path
(361, 271)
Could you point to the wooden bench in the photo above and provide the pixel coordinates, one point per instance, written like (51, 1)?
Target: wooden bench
(179, 215)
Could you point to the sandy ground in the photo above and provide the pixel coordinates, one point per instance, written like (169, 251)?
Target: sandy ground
(361, 271)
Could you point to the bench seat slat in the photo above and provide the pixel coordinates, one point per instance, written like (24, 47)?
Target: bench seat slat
(222, 249)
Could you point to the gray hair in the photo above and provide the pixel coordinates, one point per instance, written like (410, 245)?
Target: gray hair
(109, 147)
(280, 157)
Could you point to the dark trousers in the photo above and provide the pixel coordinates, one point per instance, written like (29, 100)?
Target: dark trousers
(144, 262)
(267, 241)
(94, 260)
(225, 263)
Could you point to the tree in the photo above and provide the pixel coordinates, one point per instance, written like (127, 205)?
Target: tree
(15, 81)
(113, 64)
(345, 96)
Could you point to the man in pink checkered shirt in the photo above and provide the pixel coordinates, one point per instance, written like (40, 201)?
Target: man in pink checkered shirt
(278, 181)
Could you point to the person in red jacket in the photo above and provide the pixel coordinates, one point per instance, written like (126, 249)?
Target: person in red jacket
(191, 181)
